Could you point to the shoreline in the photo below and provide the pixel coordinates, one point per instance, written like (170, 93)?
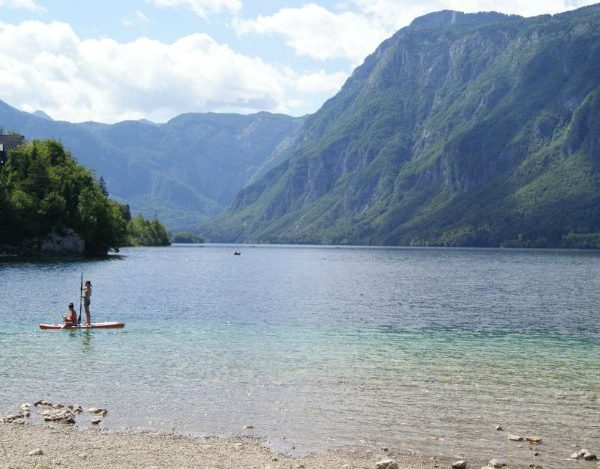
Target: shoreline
(65, 446)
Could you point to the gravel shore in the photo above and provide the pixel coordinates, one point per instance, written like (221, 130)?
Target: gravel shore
(63, 446)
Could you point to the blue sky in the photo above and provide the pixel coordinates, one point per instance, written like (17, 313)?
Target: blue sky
(130, 59)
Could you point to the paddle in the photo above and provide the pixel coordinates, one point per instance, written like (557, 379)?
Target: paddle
(80, 298)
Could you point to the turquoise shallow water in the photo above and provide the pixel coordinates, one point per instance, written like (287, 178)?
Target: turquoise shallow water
(422, 349)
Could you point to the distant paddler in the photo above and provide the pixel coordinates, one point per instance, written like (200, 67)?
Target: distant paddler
(87, 300)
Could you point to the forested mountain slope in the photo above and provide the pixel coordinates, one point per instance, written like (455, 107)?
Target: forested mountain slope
(479, 130)
(182, 171)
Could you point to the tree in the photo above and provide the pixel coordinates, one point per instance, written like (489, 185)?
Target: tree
(103, 187)
(43, 189)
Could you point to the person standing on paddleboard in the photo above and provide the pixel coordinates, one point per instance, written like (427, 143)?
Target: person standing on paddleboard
(87, 300)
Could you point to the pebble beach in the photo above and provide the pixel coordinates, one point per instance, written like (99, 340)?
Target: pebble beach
(46, 435)
(57, 445)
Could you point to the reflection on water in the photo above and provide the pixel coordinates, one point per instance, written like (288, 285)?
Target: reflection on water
(422, 349)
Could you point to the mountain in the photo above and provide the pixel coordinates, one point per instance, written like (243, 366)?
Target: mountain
(42, 114)
(459, 130)
(182, 171)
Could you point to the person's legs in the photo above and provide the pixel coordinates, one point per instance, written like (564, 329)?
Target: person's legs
(88, 316)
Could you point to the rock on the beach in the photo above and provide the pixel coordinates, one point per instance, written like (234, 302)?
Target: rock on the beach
(499, 428)
(581, 452)
(36, 452)
(248, 427)
(574, 456)
(58, 415)
(97, 410)
(462, 464)
(498, 463)
(11, 418)
(43, 403)
(386, 464)
(96, 420)
(534, 439)
(589, 456)
(513, 437)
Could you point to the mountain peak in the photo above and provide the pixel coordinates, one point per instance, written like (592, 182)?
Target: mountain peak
(450, 18)
(41, 114)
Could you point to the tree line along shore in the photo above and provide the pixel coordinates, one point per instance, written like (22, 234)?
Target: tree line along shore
(51, 205)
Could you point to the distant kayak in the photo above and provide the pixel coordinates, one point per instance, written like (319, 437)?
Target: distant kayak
(94, 325)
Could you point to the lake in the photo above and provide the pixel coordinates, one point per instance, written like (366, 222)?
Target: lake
(319, 347)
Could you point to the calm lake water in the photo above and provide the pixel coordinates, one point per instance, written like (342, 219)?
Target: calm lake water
(414, 349)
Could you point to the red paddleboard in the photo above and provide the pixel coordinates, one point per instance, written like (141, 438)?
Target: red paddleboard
(94, 325)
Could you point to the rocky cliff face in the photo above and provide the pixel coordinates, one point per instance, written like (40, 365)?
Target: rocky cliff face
(459, 129)
(64, 243)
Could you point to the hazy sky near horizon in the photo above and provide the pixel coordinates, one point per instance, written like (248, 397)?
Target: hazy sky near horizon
(130, 59)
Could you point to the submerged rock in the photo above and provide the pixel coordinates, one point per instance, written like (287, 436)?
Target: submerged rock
(462, 464)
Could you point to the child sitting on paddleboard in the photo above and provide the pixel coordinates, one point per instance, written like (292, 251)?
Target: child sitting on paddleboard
(71, 319)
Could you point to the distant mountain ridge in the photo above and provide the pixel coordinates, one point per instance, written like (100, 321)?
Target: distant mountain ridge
(461, 129)
(183, 171)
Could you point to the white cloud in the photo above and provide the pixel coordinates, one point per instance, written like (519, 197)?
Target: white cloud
(393, 14)
(315, 32)
(202, 8)
(24, 5)
(357, 27)
(47, 66)
(135, 18)
(321, 82)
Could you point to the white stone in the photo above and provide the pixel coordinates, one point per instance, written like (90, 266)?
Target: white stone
(498, 463)
(386, 464)
(36, 452)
